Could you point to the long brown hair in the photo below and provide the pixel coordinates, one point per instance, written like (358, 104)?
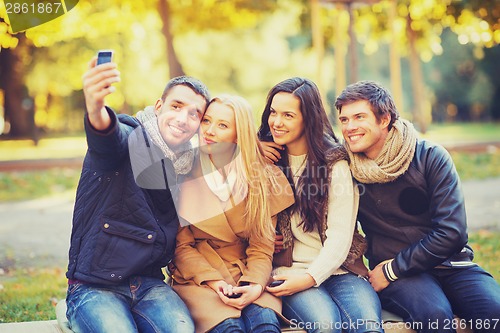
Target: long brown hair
(311, 192)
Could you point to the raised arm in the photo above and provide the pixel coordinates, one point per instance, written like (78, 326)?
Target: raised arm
(97, 84)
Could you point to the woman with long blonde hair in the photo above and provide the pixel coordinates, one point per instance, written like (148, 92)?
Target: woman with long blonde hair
(227, 207)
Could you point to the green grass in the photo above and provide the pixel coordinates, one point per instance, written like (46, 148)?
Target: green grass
(463, 132)
(487, 251)
(28, 294)
(477, 165)
(25, 185)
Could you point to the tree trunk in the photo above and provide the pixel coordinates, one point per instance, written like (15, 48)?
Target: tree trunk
(19, 109)
(174, 66)
(353, 49)
(417, 80)
(395, 59)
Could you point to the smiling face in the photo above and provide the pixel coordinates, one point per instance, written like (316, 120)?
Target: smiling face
(218, 129)
(287, 123)
(361, 129)
(179, 115)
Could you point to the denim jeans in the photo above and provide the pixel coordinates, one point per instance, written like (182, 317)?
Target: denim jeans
(429, 300)
(343, 303)
(254, 318)
(142, 305)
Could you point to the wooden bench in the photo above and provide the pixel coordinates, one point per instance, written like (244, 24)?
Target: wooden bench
(392, 324)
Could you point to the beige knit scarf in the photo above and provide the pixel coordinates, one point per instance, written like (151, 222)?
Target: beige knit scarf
(393, 160)
(183, 163)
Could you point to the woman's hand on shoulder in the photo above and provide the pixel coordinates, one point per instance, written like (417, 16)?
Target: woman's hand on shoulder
(294, 283)
(278, 243)
(271, 150)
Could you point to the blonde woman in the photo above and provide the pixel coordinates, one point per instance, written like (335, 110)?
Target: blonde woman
(227, 205)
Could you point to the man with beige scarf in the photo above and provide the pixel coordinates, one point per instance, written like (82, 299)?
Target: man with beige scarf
(413, 214)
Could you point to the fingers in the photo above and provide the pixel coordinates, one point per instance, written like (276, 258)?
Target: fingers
(272, 154)
(278, 243)
(227, 289)
(92, 62)
(270, 159)
(248, 295)
(97, 84)
(272, 144)
(271, 151)
(278, 291)
(101, 76)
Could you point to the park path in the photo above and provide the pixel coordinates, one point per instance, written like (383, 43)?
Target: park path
(36, 232)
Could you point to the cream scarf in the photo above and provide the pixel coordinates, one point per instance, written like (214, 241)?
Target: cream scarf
(183, 163)
(393, 160)
(223, 187)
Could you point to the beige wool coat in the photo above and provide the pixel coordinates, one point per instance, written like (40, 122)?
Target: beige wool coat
(217, 248)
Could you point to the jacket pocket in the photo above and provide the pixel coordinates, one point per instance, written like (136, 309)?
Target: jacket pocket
(121, 250)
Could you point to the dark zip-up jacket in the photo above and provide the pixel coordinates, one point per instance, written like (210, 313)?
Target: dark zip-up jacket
(419, 218)
(121, 229)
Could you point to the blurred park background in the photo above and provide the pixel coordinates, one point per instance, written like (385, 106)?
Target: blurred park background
(439, 58)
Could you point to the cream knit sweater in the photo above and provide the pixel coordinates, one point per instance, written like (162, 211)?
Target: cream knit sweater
(309, 255)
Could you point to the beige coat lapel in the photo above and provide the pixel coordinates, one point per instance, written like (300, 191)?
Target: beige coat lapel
(198, 206)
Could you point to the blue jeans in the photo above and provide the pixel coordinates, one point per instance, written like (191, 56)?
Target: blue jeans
(343, 303)
(254, 318)
(142, 305)
(430, 299)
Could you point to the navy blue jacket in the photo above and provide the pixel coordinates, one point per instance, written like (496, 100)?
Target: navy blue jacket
(119, 228)
(418, 219)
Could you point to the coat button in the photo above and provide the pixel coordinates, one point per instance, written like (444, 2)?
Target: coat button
(113, 275)
(106, 226)
(150, 236)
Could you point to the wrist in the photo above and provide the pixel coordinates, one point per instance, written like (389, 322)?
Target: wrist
(309, 281)
(389, 272)
(213, 284)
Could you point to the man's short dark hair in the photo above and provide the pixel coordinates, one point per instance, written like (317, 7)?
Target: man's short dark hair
(196, 85)
(379, 98)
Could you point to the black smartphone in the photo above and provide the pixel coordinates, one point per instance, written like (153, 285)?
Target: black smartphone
(234, 296)
(104, 56)
(276, 283)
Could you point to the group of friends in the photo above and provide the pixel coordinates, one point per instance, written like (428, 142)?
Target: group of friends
(257, 228)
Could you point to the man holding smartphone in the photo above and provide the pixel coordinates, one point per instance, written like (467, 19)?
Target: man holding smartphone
(124, 220)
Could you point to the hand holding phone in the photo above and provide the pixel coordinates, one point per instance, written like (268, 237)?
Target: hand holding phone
(276, 283)
(104, 56)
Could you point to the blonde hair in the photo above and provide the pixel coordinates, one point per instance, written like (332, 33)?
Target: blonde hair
(251, 168)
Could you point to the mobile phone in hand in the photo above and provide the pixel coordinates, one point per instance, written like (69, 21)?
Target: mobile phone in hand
(104, 56)
(276, 283)
(234, 296)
